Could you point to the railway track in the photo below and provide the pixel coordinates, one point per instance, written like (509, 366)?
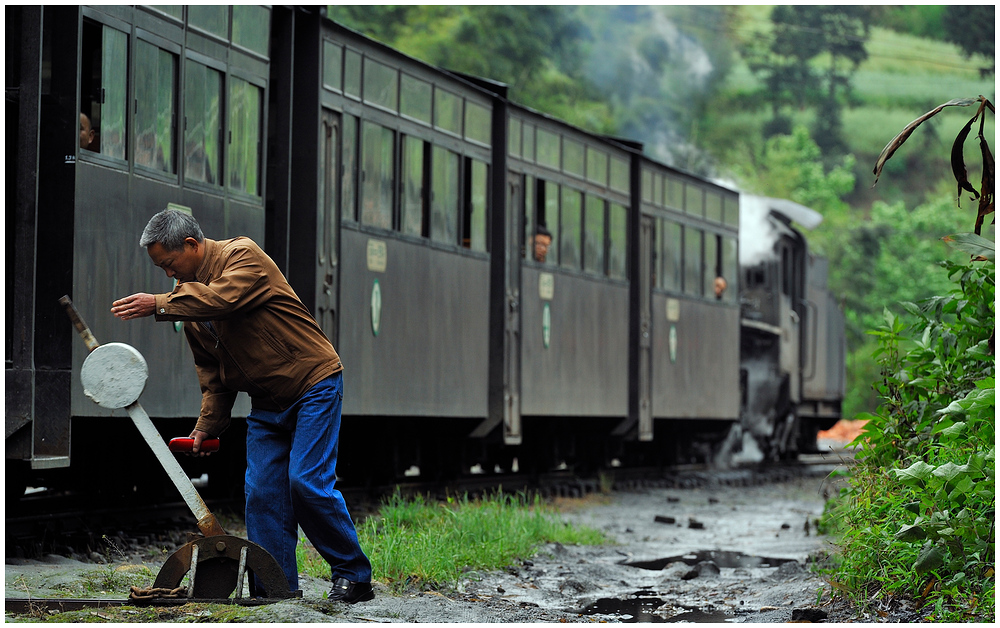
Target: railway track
(75, 524)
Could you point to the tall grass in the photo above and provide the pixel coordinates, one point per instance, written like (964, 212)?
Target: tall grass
(422, 543)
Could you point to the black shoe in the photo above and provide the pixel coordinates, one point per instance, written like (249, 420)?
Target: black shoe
(350, 592)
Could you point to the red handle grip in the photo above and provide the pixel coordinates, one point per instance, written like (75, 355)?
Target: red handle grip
(184, 445)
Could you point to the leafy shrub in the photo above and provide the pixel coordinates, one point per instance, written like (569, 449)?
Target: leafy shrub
(918, 517)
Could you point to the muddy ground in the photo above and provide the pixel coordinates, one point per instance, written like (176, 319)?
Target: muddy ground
(717, 552)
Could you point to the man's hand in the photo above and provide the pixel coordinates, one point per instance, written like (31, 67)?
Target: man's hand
(199, 436)
(135, 306)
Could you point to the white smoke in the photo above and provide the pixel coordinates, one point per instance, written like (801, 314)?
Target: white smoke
(758, 234)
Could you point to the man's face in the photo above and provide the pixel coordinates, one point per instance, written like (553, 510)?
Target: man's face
(542, 246)
(181, 264)
(86, 133)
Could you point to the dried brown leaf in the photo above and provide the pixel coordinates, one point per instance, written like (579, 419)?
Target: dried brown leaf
(897, 141)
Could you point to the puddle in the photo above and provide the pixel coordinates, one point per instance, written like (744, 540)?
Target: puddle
(632, 610)
(641, 607)
(719, 557)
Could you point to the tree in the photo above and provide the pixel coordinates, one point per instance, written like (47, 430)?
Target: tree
(973, 28)
(786, 59)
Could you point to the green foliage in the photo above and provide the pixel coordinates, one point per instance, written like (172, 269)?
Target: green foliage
(921, 20)
(415, 542)
(918, 518)
(973, 28)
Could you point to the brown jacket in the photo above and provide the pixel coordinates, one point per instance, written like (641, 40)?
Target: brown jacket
(248, 332)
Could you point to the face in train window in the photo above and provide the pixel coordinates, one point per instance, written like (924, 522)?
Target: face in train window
(104, 90)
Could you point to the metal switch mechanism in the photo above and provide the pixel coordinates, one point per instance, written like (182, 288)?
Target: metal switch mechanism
(114, 376)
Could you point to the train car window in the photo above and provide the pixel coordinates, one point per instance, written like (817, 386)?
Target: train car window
(529, 142)
(619, 175)
(597, 166)
(647, 186)
(730, 268)
(548, 149)
(474, 224)
(547, 206)
(381, 85)
(570, 228)
(333, 65)
(352, 73)
(104, 88)
(694, 200)
(349, 169)
(692, 261)
(447, 111)
(175, 11)
(377, 176)
(155, 89)
(252, 27)
(529, 215)
(658, 189)
(713, 268)
(573, 157)
(672, 253)
(245, 106)
(514, 138)
(593, 234)
(618, 241)
(444, 195)
(732, 210)
(673, 194)
(412, 204)
(477, 123)
(211, 18)
(713, 206)
(415, 98)
(202, 123)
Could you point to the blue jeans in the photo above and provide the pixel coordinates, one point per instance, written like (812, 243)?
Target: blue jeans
(291, 470)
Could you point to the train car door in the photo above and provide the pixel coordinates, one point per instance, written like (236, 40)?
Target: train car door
(328, 225)
(512, 320)
(645, 328)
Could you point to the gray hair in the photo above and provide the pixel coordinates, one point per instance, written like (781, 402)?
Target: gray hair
(169, 229)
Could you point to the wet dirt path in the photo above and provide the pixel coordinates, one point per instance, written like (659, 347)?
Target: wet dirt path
(721, 552)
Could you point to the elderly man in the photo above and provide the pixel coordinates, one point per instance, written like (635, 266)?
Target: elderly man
(249, 332)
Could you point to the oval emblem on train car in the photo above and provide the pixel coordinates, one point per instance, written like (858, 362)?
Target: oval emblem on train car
(673, 344)
(378, 256)
(376, 307)
(546, 325)
(546, 286)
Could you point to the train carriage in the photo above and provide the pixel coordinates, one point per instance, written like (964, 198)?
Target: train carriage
(690, 308)
(570, 189)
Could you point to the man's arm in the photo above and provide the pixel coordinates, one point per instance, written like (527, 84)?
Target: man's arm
(216, 400)
(242, 285)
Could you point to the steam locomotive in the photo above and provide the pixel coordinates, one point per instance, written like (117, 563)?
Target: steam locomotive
(406, 205)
